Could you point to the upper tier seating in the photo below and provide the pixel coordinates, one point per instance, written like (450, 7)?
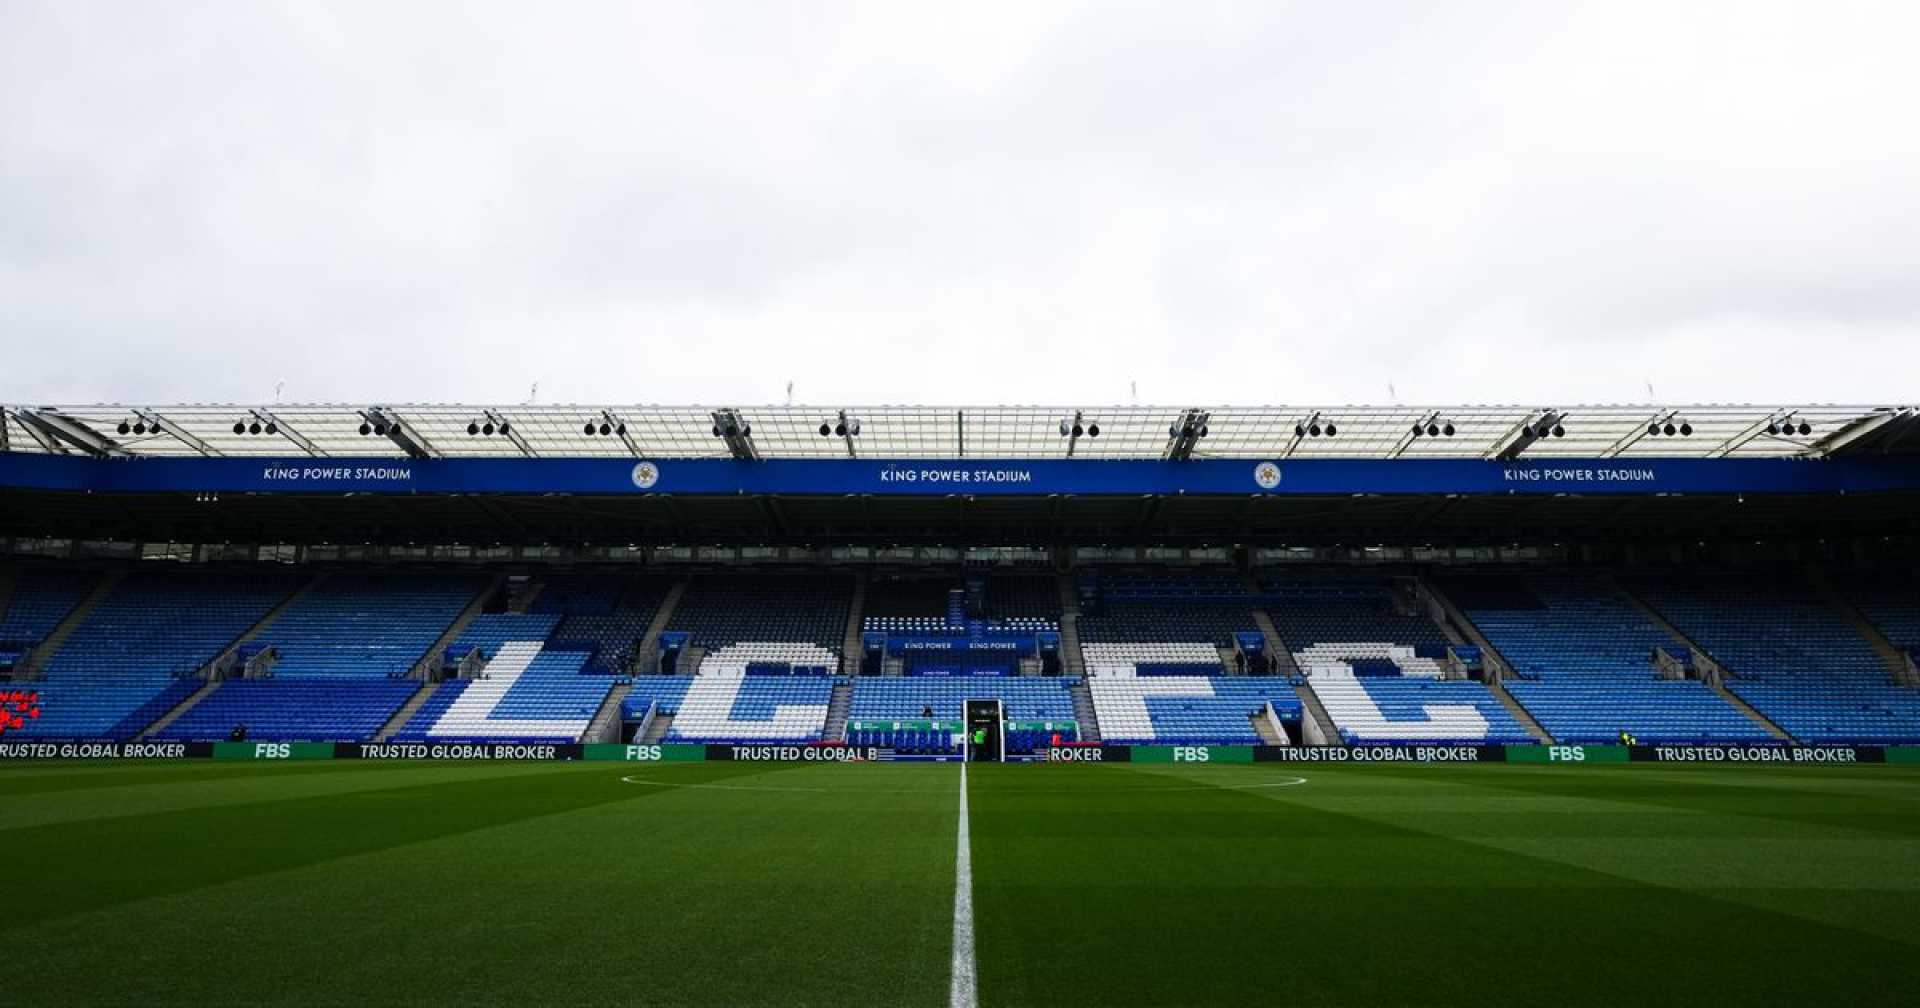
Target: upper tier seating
(1387, 709)
(759, 709)
(293, 710)
(1891, 604)
(131, 659)
(1182, 621)
(367, 625)
(739, 619)
(1583, 655)
(1187, 710)
(610, 612)
(488, 631)
(1150, 659)
(1792, 656)
(1350, 625)
(1023, 596)
(903, 596)
(41, 599)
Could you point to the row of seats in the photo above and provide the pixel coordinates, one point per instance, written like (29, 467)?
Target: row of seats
(1583, 658)
(135, 655)
(41, 598)
(1114, 659)
(1389, 710)
(1188, 710)
(367, 625)
(1790, 654)
(764, 709)
(1029, 698)
(293, 710)
(526, 694)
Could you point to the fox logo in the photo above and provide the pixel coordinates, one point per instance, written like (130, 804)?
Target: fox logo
(17, 707)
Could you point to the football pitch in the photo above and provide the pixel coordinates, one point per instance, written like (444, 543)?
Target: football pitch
(766, 884)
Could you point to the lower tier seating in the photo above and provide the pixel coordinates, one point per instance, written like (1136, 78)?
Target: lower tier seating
(1188, 710)
(1594, 710)
(1021, 699)
(1384, 710)
(100, 709)
(1836, 711)
(525, 694)
(293, 710)
(783, 709)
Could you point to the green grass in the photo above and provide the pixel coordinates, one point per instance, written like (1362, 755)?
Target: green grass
(728, 884)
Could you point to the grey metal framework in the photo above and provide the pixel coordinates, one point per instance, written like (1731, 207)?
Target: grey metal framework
(794, 432)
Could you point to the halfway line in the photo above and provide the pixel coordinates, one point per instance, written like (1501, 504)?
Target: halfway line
(964, 993)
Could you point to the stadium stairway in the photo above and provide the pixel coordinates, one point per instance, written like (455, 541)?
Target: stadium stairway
(657, 730)
(1073, 662)
(605, 724)
(649, 651)
(839, 704)
(186, 704)
(51, 645)
(1746, 708)
(1713, 676)
(1283, 663)
(458, 626)
(1520, 714)
(1268, 727)
(523, 593)
(267, 620)
(850, 643)
(1083, 711)
(1459, 629)
(1316, 725)
(407, 710)
(206, 673)
(1895, 662)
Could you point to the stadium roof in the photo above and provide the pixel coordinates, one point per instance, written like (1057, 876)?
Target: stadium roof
(934, 432)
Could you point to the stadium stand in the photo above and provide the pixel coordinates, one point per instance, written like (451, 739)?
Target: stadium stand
(40, 599)
(728, 708)
(1789, 654)
(1352, 626)
(296, 710)
(344, 652)
(737, 620)
(1161, 624)
(360, 625)
(1398, 709)
(1188, 710)
(527, 694)
(1582, 655)
(135, 655)
(605, 615)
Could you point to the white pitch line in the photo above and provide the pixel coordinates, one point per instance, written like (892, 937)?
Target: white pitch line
(965, 989)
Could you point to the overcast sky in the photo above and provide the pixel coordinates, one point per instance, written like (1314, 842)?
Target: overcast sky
(960, 203)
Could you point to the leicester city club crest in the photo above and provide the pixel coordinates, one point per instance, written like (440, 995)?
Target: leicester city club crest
(645, 475)
(1267, 475)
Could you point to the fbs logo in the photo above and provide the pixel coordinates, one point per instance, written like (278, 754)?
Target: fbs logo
(645, 475)
(1267, 475)
(17, 707)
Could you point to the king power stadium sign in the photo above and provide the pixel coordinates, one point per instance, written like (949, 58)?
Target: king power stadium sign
(911, 477)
